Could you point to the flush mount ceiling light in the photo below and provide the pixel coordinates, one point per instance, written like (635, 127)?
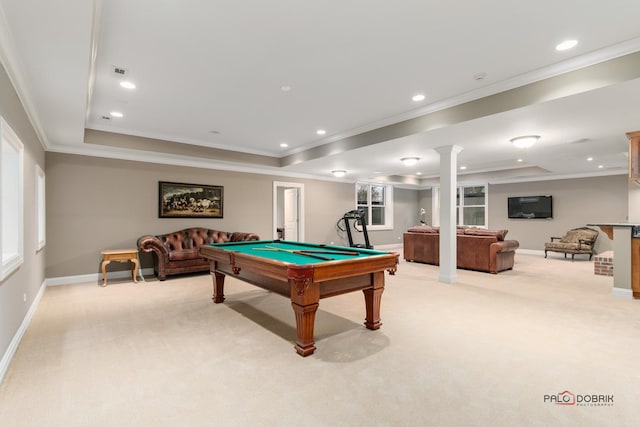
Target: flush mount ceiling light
(525, 141)
(321, 131)
(116, 114)
(417, 98)
(567, 44)
(284, 145)
(410, 161)
(339, 173)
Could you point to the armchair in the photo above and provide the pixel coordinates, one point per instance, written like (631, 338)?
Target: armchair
(576, 241)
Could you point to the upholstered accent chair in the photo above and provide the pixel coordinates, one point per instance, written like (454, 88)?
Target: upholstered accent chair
(577, 241)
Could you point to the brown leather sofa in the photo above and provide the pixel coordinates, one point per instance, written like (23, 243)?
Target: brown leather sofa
(477, 248)
(177, 252)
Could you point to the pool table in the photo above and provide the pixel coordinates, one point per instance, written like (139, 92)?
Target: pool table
(305, 273)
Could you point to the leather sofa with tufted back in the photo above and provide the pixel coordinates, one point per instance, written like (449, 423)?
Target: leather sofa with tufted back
(177, 252)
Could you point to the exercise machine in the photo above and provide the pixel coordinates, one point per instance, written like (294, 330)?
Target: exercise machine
(359, 220)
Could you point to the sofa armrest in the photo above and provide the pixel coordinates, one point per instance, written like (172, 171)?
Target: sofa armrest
(150, 243)
(505, 246)
(241, 237)
(586, 242)
(504, 261)
(555, 238)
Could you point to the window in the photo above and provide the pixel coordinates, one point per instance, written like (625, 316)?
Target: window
(471, 208)
(11, 209)
(40, 209)
(377, 202)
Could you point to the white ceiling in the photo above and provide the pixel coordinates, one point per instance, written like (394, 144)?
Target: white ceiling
(210, 73)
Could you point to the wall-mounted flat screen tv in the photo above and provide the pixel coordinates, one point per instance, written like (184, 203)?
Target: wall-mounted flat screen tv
(531, 207)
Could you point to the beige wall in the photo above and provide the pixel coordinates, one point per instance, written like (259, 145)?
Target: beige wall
(576, 202)
(95, 204)
(27, 280)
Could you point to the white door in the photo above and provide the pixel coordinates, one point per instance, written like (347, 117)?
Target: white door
(291, 214)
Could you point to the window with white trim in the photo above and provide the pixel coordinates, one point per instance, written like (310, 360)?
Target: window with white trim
(40, 209)
(471, 205)
(377, 202)
(472, 209)
(11, 200)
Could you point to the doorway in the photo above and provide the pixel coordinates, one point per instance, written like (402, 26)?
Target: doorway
(288, 211)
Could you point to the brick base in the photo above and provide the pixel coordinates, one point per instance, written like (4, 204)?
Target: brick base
(603, 264)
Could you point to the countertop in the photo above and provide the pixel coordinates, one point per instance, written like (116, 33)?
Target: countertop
(614, 224)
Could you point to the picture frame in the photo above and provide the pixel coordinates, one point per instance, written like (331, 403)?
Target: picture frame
(180, 200)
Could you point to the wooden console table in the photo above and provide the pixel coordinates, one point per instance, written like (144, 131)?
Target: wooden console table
(120, 255)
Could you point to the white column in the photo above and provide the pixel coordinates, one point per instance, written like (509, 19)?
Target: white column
(448, 183)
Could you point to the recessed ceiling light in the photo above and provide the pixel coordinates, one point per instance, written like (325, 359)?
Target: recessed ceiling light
(525, 141)
(419, 97)
(463, 167)
(127, 84)
(321, 131)
(589, 159)
(284, 145)
(339, 173)
(567, 44)
(520, 160)
(410, 161)
(418, 173)
(285, 88)
(600, 166)
(116, 114)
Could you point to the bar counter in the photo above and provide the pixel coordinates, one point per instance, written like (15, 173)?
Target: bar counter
(626, 257)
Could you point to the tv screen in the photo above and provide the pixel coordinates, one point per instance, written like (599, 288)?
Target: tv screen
(531, 207)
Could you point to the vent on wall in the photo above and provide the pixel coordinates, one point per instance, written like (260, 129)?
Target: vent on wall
(119, 71)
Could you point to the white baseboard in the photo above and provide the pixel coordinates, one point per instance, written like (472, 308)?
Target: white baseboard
(13, 345)
(94, 277)
(622, 293)
(529, 251)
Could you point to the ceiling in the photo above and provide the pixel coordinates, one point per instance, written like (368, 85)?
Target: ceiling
(212, 78)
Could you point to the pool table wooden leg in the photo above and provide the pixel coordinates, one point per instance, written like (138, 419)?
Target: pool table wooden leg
(218, 287)
(305, 321)
(305, 299)
(372, 298)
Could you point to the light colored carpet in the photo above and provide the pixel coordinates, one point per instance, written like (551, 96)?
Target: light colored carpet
(482, 352)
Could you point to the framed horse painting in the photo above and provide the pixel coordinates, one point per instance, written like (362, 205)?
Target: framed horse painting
(177, 200)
